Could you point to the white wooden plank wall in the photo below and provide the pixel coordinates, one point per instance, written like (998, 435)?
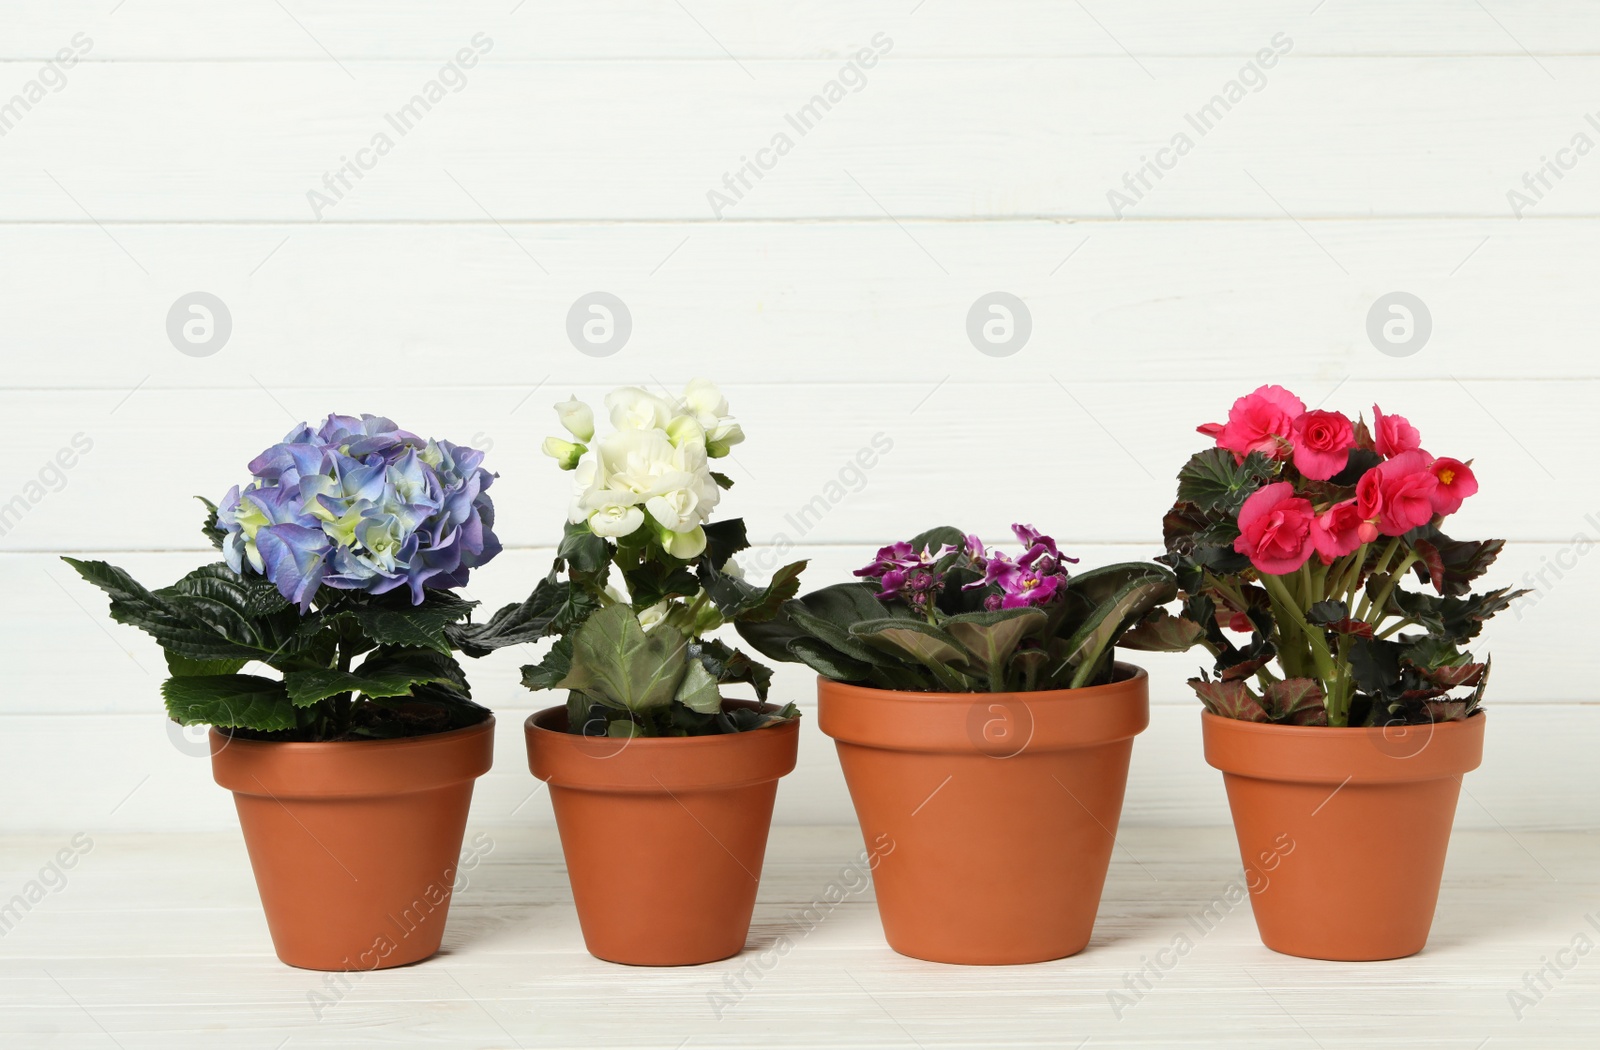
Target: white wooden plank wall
(831, 297)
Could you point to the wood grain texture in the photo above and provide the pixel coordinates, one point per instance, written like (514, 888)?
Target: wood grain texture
(453, 305)
(911, 139)
(831, 299)
(158, 942)
(714, 29)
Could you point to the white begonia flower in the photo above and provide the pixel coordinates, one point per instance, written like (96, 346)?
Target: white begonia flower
(722, 437)
(705, 402)
(733, 568)
(616, 519)
(686, 430)
(703, 399)
(634, 409)
(565, 453)
(587, 483)
(676, 511)
(642, 463)
(656, 614)
(577, 418)
(685, 545)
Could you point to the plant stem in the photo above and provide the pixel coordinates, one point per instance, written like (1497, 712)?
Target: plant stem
(1384, 595)
(1321, 658)
(1381, 567)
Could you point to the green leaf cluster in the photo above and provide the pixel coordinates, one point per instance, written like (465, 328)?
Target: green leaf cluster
(357, 665)
(624, 679)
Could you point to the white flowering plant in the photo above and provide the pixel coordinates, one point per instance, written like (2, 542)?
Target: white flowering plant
(632, 650)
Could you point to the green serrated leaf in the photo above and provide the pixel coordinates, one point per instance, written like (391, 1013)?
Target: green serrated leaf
(555, 666)
(516, 624)
(234, 701)
(213, 614)
(1213, 482)
(183, 667)
(740, 601)
(1162, 632)
(392, 620)
(383, 675)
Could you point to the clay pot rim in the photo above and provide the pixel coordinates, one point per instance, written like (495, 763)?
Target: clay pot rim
(1342, 754)
(1130, 673)
(221, 741)
(659, 765)
(532, 725)
(1334, 732)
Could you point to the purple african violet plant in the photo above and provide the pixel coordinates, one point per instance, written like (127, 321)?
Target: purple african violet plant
(917, 576)
(941, 613)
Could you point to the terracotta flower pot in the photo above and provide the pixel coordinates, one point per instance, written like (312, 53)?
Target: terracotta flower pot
(1343, 832)
(663, 836)
(354, 844)
(994, 813)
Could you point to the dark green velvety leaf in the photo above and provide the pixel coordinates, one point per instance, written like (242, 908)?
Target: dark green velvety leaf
(1106, 602)
(992, 637)
(828, 662)
(233, 701)
(916, 639)
(936, 539)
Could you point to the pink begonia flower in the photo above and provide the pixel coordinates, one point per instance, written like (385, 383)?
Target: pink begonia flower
(1392, 435)
(1322, 442)
(1275, 529)
(1337, 531)
(1397, 494)
(1258, 422)
(1456, 483)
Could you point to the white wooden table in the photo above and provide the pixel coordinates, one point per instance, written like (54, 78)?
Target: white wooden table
(158, 941)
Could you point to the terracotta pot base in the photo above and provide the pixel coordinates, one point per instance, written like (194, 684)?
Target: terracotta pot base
(355, 844)
(664, 837)
(1343, 832)
(992, 815)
